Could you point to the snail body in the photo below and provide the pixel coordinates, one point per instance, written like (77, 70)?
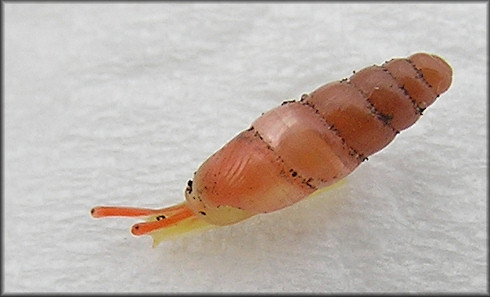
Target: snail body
(300, 147)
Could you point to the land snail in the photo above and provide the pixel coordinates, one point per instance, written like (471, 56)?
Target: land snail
(299, 147)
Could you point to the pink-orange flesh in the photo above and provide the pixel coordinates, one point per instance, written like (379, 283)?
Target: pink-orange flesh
(247, 174)
(304, 141)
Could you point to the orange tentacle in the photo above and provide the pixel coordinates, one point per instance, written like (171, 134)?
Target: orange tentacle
(121, 211)
(147, 227)
(109, 211)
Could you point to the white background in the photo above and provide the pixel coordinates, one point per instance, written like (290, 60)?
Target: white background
(120, 103)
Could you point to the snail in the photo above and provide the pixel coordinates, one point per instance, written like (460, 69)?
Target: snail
(299, 147)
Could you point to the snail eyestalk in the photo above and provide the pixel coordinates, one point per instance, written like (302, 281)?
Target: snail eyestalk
(160, 224)
(119, 211)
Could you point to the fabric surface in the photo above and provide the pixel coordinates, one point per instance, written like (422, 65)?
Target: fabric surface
(119, 103)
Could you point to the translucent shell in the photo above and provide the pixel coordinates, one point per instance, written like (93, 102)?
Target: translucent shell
(386, 96)
(300, 147)
(434, 70)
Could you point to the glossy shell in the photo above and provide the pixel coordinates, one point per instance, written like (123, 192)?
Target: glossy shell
(302, 146)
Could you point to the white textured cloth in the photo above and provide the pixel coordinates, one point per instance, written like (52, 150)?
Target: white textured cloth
(120, 103)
